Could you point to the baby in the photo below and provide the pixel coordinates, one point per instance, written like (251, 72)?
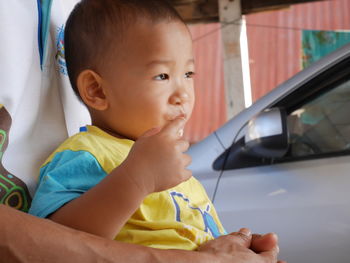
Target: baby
(125, 176)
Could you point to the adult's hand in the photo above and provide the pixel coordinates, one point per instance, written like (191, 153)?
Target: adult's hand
(235, 248)
(262, 243)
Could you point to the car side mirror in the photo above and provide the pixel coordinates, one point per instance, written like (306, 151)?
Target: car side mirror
(267, 134)
(266, 138)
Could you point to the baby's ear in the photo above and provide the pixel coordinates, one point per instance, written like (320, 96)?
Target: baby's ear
(91, 90)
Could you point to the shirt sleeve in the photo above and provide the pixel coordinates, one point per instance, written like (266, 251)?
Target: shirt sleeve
(67, 176)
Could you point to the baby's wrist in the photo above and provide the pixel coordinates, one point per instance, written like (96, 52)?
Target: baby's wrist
(132, 182)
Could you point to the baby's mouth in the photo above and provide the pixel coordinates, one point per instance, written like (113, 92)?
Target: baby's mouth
(174, 117)
(180, 114)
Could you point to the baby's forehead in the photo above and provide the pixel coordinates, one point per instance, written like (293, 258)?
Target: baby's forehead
(169, 62)
(162, 43)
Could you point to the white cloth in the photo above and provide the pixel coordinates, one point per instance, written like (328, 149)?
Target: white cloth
(42, 105)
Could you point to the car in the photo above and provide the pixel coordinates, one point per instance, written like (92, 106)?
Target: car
(283, 164)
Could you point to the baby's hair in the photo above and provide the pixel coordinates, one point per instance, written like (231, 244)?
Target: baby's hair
(95, 26)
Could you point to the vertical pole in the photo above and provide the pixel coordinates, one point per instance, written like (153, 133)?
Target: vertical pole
(230, 12)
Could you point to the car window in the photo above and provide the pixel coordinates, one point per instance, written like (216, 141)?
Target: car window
(321, 125)
(317, 121)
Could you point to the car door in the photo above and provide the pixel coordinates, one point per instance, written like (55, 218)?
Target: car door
(303, 196)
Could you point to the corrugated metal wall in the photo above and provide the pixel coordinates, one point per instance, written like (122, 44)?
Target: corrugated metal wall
(274, 40)
(210, 110)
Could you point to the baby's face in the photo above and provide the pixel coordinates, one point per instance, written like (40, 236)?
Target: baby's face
(151, 83)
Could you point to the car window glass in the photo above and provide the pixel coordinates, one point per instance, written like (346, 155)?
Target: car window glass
(321, 125)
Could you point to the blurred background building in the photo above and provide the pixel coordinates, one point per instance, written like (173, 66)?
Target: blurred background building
(279, 42)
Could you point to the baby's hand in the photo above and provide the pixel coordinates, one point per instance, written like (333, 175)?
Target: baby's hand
(157, 160)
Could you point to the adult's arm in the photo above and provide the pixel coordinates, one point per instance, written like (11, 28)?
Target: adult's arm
(25, 239)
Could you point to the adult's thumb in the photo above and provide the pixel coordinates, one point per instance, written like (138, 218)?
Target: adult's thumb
(261, 243)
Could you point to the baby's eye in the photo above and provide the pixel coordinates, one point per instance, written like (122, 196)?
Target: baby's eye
(162, 76)
(189, 75)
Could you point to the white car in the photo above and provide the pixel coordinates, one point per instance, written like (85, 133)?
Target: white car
(283, 164)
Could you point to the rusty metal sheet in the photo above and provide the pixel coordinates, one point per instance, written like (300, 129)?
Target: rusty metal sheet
(274, 39)
(210, 109)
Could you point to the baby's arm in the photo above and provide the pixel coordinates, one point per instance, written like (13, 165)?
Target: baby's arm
(155, 163)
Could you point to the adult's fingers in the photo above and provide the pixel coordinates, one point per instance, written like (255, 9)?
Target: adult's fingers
(243, 237)
(245, 231)
(228, 244)
(271, 255)
(261, 243)
(265, 243)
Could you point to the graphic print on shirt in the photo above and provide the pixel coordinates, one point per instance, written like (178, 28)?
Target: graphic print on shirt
(60, 57)
(13, 192)
(209, 223)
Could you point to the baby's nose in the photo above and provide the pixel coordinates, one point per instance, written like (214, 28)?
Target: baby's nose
(179, 97)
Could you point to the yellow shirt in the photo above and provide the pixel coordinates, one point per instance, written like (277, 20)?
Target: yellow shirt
(182, 217)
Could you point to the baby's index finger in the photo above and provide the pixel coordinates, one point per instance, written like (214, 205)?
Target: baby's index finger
(174, 127)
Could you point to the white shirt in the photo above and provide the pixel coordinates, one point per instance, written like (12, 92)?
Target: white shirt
(42, 104)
